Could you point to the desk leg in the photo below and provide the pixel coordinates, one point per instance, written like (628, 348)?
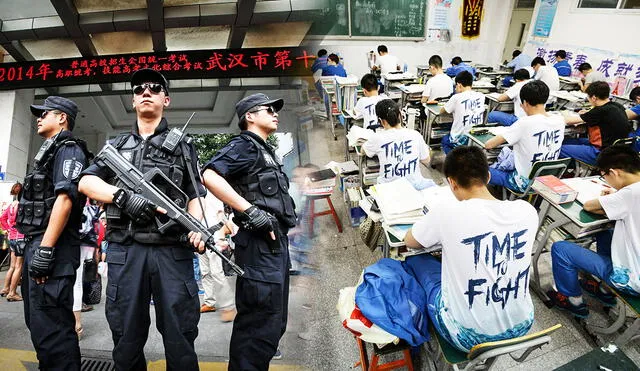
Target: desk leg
(347, 125)
(385, 247)
(540, 245)
(431, 118)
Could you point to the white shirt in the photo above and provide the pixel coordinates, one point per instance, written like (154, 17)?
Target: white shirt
(549, 75)
(387, 63)
(622, 206)
(438, 86)
(514, 94)
(366, 108)
(594, 76)
(399, 152)
(467, 108)
(486, 260)
(534, 138)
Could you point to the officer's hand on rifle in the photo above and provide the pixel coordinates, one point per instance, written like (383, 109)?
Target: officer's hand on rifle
(42, 263)
(255, 220)
(138, 208)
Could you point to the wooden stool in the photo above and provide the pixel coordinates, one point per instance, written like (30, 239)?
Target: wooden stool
(311, 199)
(377, 352)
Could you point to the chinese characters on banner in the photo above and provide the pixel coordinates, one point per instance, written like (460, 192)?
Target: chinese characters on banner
(193, 64)
(544, 20)
(471, 16)
(621, 70)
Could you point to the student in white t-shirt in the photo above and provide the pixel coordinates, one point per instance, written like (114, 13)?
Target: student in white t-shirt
(590, 76)
(366, 106)
(467, 107)
(535, 137)
(617, 262)
(521, 77)
(386, 62)
(480, 290)
(400, 150)
(439, 85)
(546, 74)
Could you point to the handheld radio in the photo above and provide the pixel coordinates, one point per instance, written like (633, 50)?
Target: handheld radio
(175, 136)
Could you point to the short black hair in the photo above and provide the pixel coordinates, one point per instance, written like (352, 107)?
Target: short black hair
(467, 165)
(521, 74)
(435, 61)
(369, 82)
(456, 61)
(322, 52)
(242, 123)
(621, 157)
(534, 92)
(389, 111)
(584, 67)
(634, 93)
(538, 60)
(334, 58)
(382, 49)
(598, 89)
(464, 78)
(515, 53)
(561, 53)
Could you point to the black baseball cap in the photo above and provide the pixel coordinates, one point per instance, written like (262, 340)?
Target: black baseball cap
(58, 103)
(259, 99)
(149, 75)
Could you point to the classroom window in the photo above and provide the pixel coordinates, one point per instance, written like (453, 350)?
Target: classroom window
(630, 4)
(612, 4)
(525, 4)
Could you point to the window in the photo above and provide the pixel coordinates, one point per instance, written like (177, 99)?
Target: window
(525, 4)
(609, 4)
(630, 4)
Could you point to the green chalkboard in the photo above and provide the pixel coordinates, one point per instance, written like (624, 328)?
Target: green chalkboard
(331, 19)
(390, 18)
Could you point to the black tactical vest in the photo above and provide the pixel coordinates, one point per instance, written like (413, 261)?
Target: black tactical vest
(146, 155)
(37, 196)
(266, 185)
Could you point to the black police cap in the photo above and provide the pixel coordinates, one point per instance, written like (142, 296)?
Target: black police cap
(149, 75)
(60, 104)
(254, 100)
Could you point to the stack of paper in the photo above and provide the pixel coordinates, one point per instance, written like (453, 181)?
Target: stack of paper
(588, 189)
(399, 202)
(358, 135)
(494, 95)
(434, 196)
(346, 167)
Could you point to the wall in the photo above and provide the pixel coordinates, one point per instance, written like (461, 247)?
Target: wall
(486, 49)
(17, 127)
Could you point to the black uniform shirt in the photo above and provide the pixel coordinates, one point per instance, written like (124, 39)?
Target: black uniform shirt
(237, 157)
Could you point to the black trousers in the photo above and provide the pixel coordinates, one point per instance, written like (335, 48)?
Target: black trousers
(48, 313)
(262, 300)
(136, 272)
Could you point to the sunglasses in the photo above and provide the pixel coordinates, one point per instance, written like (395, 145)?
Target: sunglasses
(44, 114)
(153, 88)
(270, 110)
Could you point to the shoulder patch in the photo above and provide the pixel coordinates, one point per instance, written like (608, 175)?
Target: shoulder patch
(71, 169)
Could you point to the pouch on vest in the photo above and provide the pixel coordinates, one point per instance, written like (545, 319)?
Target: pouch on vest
(39, 213)
(268, 183)
(39, 186)
(27, 191)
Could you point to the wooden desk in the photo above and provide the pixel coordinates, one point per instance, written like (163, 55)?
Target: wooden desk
(434, 118)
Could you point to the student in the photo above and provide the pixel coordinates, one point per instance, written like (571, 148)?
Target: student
(457, 66)
(480, 290)
(617, 262)
(333, 67)
(633, 113)
(519, 61)
(562, 66)
(535, 137)
(467, 107)
(366, 106)
(546, 74)
(400, 150)
(590, 76)
(606, 122)
(386, 62)
(513, 93)
(439, 85)
(316, 69)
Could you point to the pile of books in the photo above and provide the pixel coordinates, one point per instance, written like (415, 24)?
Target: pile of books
(554, 189)
(400, 204)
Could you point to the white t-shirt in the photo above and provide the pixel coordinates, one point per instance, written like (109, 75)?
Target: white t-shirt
(514, 94)
(534, 138)
(548, 75)
(467, 108)
(387, 63)
(486, 260)
(622, 206)
(438, 86)
(366, 107)
(399, 152)
(594, 76)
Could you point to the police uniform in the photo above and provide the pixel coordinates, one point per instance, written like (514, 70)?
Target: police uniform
(251, 167)
(48, 307)
(144, 262)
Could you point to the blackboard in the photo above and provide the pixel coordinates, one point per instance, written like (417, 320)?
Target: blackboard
(390, 18)
(331, 19)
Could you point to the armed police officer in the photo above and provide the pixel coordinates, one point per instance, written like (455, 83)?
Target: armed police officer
(247, 175)
(49, 215)
(142, 260)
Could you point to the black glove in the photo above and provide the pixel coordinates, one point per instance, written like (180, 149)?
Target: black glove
(42, 262)
(254, 220)
(138, 208)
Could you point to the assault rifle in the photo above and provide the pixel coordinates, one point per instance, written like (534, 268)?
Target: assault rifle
(145, 185)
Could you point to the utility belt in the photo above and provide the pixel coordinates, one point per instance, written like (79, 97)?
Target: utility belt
(125, 236)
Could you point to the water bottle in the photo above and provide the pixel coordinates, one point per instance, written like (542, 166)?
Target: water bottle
(405, 68)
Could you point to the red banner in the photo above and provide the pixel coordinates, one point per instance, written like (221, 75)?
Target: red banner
(471, 17)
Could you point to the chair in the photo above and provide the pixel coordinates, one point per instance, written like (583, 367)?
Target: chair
(311, 199)
(632, 331)
(377, 352)
(482, 356)
(539, 168)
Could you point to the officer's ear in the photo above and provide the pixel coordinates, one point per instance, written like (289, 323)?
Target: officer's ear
(63, 120)
(167, 100)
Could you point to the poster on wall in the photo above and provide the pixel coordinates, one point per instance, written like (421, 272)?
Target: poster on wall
(544, 20)
(471, 17)
(439, 14)
(622, 70)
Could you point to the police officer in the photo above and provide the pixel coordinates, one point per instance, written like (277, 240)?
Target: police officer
(49, 215)
(142, 261)
(247, 175)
